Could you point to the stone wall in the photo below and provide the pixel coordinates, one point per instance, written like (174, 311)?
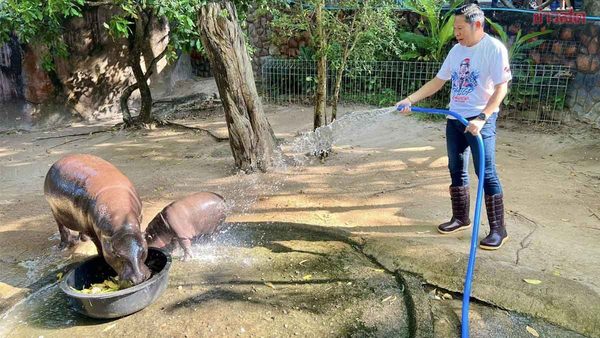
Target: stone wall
(94, 75)
(573, 45)
(259, 35)
(576, 46)
(584, 93)
(96, 72)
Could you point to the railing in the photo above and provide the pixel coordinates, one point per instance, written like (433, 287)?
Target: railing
(537, 92)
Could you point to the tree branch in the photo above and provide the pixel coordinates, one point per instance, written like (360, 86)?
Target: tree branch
(183, 126)
(99, 3)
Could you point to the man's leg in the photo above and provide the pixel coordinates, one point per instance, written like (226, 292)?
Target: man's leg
(458, 160)
(493, 190)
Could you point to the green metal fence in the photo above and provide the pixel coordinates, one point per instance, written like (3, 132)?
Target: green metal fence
(537, 92)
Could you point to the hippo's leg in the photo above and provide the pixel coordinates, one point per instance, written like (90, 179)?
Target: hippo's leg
(186, 245)
(67, 239)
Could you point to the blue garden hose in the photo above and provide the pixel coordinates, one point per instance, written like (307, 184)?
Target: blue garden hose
(476, 218)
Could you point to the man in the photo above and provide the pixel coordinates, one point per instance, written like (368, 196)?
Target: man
(478, 67)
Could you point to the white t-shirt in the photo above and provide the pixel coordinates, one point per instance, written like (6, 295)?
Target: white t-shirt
(474, 72)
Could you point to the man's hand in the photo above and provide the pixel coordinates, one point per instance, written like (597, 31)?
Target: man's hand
(475, 126)
(405, 104)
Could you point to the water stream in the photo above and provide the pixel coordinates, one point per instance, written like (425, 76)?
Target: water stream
(47, 305)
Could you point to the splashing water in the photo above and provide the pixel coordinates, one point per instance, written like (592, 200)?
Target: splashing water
(298, 152)
(241, 198)
(322, 140)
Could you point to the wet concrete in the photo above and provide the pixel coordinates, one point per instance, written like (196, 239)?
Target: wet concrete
(279, 280)
(248, 281)
(556, 299)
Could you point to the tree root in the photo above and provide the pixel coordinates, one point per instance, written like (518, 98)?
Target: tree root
(136, 124)
(182, 126)
(78, 134)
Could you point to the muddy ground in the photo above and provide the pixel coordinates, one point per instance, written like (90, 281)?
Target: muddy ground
(382, 190)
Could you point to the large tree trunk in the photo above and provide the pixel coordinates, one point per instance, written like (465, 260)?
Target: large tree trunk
(134, 60)
(124, 100)
(250, 135)
(321, 92)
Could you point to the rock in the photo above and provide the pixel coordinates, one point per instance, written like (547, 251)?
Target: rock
(595, 94)
(585, 39)
(273, 50)
(514, 28)
(570, 51)
(38, 86)
(595, 66)
(550, 59)
(594, 46)
(567, 33)
(535, 57)
(589, 81)
(584, 63)
(587, 103)
(252, 33)
(557, 48)
(577, 109)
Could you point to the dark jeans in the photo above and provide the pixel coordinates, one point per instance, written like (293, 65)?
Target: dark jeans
(458, 143)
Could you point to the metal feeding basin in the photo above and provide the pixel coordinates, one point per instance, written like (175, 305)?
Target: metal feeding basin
(118, 303)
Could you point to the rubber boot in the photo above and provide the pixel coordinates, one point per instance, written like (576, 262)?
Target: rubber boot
(495, 213)
(460, 211)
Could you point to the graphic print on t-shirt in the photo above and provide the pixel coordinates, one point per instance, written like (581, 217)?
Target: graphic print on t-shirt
(464, 81)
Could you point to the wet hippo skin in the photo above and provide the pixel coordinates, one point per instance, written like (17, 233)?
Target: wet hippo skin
(91, 196)
(185, 219)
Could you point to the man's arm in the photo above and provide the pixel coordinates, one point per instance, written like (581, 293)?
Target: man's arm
(491, 107)
(428, 89)
(495, 100)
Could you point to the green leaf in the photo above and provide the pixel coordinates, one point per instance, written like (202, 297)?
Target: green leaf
(499, 30)
(530, 36)
(447, 32)
(531, 45)
(420, 41)
(189, 21)
(532, 281)
(410, 55)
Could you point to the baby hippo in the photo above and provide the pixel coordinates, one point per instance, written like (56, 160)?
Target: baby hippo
(183, 220)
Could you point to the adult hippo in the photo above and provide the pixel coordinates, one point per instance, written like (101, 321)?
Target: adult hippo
(192, 216)
(91, 196)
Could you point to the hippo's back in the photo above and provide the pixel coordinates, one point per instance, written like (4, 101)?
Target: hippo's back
(73, 184)
(197, 214)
